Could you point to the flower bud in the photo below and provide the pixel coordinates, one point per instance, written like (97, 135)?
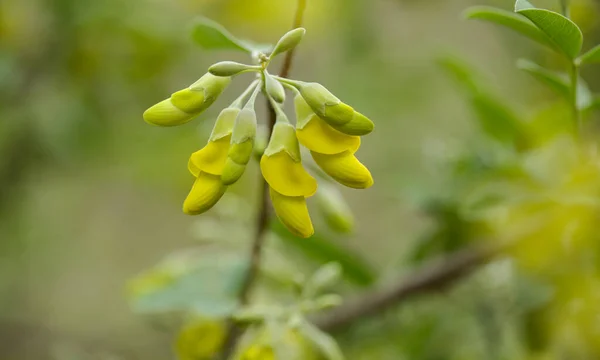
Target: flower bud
(325, 104)
(186, 104)
(288, 41)
(334, 208)
(230, 68)
(345, 169)
(359, 125)
(242, 143)
(293, 213)
(274, 88)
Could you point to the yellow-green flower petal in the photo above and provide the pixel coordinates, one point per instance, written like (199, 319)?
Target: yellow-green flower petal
(211, 158)
(293, 213)
(317, 135)
(205, 193)
(287, 176)
(359, 125)
(345, 169)
(166, 114)
(200, 340)
(189, 101)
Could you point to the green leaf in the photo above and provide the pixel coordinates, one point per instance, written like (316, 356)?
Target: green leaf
(203, 283)
(213, 36)
(323, 342)
(562, 31)
(510, 20)
(558, 82)
(590, 57)
(355, 269)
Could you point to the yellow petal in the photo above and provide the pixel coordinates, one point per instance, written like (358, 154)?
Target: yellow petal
(318, 136)
(166, 114)
(211, 158)
(287, 176)
(205, 193)
(345, 169)
(293, 213)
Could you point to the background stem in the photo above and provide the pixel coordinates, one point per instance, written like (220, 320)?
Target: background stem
(577, 121)
(262, 220)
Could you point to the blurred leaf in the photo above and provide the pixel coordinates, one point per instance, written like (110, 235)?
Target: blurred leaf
(558, 82)
(355, 269)
(561, 30)
(324, 342)
(495, 118)
(509, 20)
(213, 36)
(326, 276)
(590, 57)
(205, 284)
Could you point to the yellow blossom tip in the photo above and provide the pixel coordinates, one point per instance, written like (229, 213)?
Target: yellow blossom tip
(206, 192)
(211, 158)
(287, 176)
(293, 213)
(317, 135)
(188, 100)
(166, 114)
(345, 169)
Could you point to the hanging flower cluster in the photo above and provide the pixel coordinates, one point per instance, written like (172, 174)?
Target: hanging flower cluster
(327, 127)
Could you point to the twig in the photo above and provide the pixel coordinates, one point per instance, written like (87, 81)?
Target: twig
(432, 276)
(262, 219)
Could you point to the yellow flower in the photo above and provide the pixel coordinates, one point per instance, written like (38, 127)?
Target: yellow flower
(289, 182)
(242, 143)
(188, 103)
(316, 135)
(345, 169)
(293, 213)
(207, 166)
(206, 192)
(281, 164)
(200, 340)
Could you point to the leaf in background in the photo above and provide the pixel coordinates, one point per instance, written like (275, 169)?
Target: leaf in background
(496, 119)
(355, 269)
(203, 283)
(558, 82)
(563, 32)
(511, 21)
(213, 36)
(323, 342)
(590, 57)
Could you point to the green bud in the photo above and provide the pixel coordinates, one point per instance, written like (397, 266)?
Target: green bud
(274, 88)
(242, 144)
(261, 142)
(186, 104)
(325, 104)
(335, 210)
(359, 125)
(230, 68)
(284, 138)
(288, 41)
(224, 123)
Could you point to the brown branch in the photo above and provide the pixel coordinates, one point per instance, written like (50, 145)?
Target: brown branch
(235, 331)
(433, 276)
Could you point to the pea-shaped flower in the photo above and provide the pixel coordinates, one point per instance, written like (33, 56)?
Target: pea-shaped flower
(290, 184)
(188, 103)
(207, 166)
(242, 144)
(332, 150)
(331, 109)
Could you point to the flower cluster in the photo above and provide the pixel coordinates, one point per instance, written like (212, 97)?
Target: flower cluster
(327, 127)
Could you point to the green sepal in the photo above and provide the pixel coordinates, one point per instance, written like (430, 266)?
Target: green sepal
(325, 104)
(304, 113)
(284, 138)
(224, 123)
(212, 86)
(245, 126)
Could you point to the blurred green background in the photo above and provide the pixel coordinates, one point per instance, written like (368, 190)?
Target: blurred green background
(90, 195)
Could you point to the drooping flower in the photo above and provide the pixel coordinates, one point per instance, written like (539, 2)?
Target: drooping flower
(290, 184)
(207, 166)
(188, 103)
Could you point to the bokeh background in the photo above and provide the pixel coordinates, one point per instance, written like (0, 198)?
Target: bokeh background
(90, 195)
